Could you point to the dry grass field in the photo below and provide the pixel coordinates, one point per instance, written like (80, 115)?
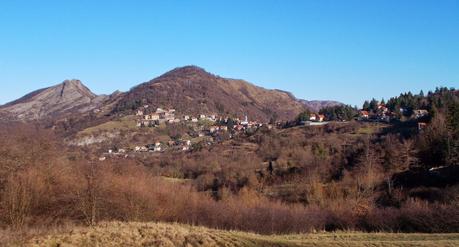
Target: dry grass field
(124, 123)
(162, 234)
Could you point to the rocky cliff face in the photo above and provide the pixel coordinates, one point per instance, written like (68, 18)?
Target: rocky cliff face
(71, 96)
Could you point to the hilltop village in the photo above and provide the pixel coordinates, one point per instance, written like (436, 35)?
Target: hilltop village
(202, 130)
(206, 130)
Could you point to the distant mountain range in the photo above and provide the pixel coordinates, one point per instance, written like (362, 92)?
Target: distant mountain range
(317, 105)
(189, 89)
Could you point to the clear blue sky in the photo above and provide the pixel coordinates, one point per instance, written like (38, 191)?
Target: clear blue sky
(342, 50)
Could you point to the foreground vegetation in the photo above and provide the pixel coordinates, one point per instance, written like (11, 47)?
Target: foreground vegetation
(308, 186)
(368, 177)
(160, 234)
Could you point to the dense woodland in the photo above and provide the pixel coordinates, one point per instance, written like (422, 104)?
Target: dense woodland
(344, 175)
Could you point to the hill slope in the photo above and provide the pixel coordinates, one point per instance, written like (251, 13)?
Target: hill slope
(69, 96)
(162, 234)
(192, 90)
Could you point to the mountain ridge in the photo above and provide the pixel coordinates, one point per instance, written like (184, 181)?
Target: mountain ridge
(189, 89)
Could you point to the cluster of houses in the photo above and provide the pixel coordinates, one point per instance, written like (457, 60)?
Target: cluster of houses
(213, 132)
(183, 145)
(246, 125)
(167, 116)
(156, 118)
(313, 117)
(236, 126)
(383, 114)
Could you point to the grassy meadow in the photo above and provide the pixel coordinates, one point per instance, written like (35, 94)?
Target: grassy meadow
(166, 234)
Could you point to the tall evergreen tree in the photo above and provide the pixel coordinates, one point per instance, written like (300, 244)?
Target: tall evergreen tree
(366, 105)
(373, 105)
(453, 135)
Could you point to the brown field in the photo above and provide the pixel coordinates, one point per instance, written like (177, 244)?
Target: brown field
(162, 234)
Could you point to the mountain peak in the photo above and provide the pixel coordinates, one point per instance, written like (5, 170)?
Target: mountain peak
(63, 97)
(188, 70)
(74, 82)
(74, 86)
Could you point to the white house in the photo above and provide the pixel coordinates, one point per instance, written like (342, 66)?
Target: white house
(312, 117)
